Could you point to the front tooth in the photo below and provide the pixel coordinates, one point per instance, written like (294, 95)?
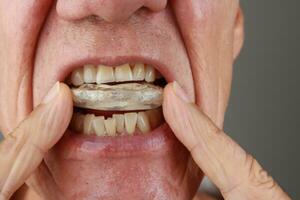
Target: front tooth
(123, 73)
(87, 124)
(105, 74)
(77, 77)
(155, 117)
(98, 126)
(139, 72)
(143, 122)
(120, 122)
(150, 74)
(130, 122)
(110, 126)
(89, 74)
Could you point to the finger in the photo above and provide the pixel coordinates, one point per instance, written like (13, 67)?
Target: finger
(234, 171)
(23, 150)
(43, 184)
(203, 196)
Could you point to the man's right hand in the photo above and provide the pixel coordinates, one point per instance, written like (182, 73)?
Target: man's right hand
(22, 151)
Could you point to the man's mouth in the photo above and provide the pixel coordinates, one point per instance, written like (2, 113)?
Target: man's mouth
(118, 141)
(112, 101)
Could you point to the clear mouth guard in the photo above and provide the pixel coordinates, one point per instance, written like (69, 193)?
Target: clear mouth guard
(118, 97)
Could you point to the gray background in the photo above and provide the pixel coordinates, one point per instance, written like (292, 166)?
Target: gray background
(264, 109)
(264, 106)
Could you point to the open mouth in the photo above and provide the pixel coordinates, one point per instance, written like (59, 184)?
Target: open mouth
(111, 101)
(118, 135)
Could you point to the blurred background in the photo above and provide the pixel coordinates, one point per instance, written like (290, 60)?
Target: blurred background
(263, 114)
(264, 108)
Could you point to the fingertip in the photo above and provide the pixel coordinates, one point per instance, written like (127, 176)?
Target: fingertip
(66, 102)
(51, 119)
(66, 94)
(168, 90)
(170, 95)
(168, 99)
(65, 90)
(176, 112)
(175, 98)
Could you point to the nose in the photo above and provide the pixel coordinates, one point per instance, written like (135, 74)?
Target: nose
(108, 10)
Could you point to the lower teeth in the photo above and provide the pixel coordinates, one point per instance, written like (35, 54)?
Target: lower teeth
(119, 124)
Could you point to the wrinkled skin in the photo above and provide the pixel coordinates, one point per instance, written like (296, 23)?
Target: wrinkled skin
(197, 41)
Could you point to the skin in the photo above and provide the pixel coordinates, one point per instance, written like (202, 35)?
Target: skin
(38, 40)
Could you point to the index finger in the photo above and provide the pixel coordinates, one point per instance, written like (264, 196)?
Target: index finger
(23, 150)
(236, 173)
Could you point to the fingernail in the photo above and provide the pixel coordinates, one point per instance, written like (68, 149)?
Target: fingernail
(180, 92)
(53, 92)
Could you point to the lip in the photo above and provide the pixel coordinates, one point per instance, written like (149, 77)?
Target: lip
(115, 61)
(80, 147)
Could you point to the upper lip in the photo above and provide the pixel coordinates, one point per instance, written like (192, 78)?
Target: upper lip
(159, 66)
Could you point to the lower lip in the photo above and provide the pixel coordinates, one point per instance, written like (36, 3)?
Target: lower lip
(83, 147)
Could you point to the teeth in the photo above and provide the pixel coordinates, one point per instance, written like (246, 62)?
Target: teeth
(77, 77)
(87, 124)
(89, 74)
(155, 117)
(110, 126)
(105, 74)
(123, 73)
(120, 122)
(139, 72)
(92, 92)
(77, 122)
(143, 122)
(98, 126)
(150, 74)
(130, 122)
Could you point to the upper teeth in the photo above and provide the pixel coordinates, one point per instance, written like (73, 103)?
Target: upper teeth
(106, 74)
(123, 73)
